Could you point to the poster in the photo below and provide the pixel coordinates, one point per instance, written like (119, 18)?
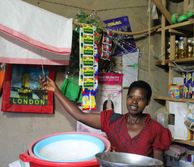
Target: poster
(130, 68)
(122, 44)
(110, 88)
(22, 90)
(178, 111)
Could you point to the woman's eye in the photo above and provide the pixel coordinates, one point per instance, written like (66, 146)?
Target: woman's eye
(130, 97)
(136, 98)
(141, 99)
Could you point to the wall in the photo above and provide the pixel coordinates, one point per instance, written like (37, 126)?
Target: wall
(18, 131)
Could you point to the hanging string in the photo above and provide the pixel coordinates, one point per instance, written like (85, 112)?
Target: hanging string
(149, 36)
(149, 43)
(143, 32)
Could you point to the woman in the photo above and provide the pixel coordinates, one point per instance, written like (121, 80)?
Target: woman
(134, 132)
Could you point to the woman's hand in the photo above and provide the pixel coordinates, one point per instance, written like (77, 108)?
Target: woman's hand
(48, 84)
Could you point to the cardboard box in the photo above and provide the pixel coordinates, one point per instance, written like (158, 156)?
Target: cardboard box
(180, 111)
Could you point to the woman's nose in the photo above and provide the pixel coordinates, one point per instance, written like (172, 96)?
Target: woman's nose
(135, 100)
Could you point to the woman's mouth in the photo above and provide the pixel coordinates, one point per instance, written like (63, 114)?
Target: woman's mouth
(133, 107)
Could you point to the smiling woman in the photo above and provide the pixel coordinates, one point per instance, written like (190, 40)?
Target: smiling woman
(134, 132)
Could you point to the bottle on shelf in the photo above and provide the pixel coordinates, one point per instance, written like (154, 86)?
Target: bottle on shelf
(193, 85)
(189, 48)
(192, 44)
(176, 49)
(168, 51)
(181, 48)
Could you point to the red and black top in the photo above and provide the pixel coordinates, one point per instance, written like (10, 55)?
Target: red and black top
(153, 136)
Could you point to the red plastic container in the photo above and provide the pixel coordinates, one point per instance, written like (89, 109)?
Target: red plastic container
(34, 161)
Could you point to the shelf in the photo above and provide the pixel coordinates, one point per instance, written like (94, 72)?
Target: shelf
(187, 142)
(178, 61)
(185, 60)
(166, 98)
(161, 63)
(174, 66)
(185, 26)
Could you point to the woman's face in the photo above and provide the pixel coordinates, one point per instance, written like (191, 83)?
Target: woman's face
(109, 105)
(136, 101)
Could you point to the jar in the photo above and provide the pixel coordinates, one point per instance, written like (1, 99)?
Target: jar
(176, 49)
(181, 48)
(168, 51)
(192, 44)
(189, 49)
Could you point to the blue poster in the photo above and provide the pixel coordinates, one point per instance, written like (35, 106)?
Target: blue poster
(122, 44)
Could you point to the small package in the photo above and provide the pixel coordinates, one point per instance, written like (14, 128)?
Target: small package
(175, 91)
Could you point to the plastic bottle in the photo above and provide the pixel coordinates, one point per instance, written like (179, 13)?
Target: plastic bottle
(168, 51)
(189, 48)
(181, 48)
(192, 44)
(176, 49)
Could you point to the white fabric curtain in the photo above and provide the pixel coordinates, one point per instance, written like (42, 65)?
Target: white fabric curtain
(31, 35)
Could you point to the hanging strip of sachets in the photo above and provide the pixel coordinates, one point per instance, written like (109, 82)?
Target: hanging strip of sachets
(88, 67)
(107, 45)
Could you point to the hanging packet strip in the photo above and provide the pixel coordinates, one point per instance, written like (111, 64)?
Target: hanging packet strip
(88, 60)
(85, 100)
(88, 67)
(88, 71)
(93, 100)
(86, 49)
(89, 100)
(107, 45)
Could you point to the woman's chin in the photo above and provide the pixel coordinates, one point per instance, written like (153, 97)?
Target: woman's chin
(134, 112)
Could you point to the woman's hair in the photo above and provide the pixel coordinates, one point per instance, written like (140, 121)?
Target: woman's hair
(141, 84)
(105, 104)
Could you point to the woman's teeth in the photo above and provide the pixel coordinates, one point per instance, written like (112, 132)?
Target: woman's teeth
(133, 107)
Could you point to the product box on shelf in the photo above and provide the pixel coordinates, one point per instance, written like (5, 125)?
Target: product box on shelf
(178, 112)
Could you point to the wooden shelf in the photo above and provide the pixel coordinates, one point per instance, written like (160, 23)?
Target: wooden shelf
(187, 142)
(172, 32)
(178, 61)
(166, 98)
(183, 25)
(185, 60)
(161, 63)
